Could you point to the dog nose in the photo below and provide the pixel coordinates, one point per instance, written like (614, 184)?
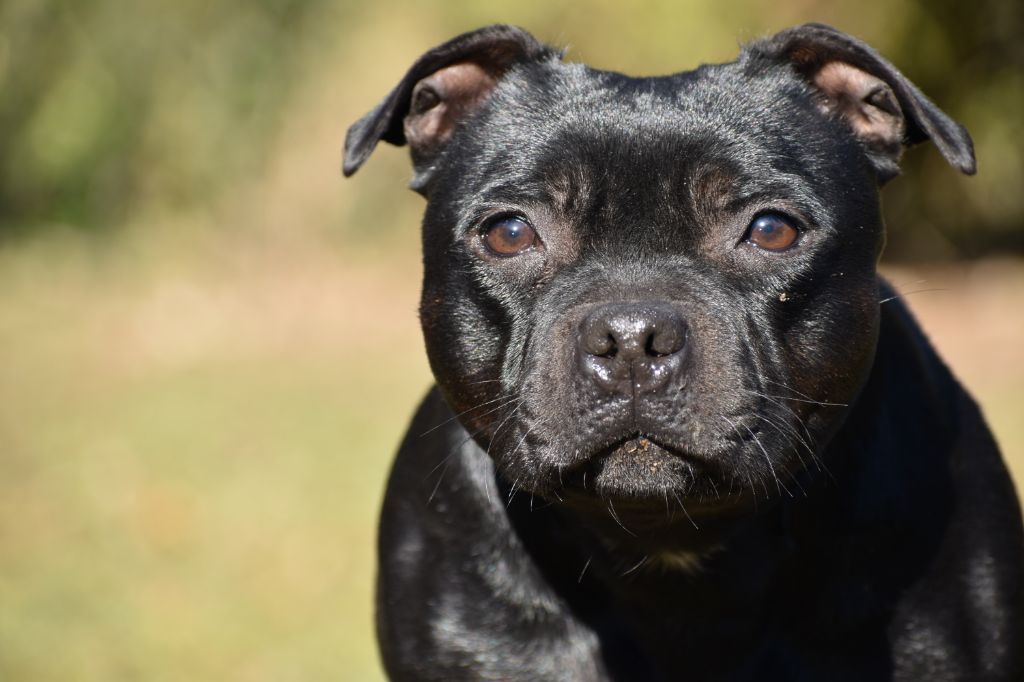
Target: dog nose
(632, 347)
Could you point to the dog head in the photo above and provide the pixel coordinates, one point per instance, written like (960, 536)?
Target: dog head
(638, 288)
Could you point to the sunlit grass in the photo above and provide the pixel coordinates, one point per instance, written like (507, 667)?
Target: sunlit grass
(199, 505)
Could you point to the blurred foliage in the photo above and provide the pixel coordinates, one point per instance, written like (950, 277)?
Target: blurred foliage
(107, 106)
(108, 109)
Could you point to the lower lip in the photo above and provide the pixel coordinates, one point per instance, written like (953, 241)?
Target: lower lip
(642, 447)
(651, 455)
(640, 452)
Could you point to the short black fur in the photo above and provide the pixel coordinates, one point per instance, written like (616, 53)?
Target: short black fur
(657, 449)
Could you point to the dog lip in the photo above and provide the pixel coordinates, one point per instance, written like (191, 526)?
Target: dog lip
(578, 492)
(640, 444)
(637, 447)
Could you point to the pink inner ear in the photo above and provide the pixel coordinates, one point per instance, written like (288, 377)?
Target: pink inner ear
(460, 89)
(866, 102)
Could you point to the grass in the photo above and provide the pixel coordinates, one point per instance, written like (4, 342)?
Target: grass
(192, 469)
(195, 432)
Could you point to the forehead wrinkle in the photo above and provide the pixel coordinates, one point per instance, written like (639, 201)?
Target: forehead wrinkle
(567, 189)
(711, 190)
(613, 140)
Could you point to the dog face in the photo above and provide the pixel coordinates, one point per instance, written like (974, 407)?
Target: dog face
(644, 288)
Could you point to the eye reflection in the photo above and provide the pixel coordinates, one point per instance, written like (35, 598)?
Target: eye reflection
(509, 236)
(772, 232)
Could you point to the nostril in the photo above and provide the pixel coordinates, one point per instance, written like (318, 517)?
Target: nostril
(628, 331)
(599, 341)
(666, 339)
(631, 348)
(649, 348)
(609, 348)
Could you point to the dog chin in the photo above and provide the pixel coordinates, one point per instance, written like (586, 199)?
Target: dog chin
(641, 471)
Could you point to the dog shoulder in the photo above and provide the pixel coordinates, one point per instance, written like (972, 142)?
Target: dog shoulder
(457, 592)
(962, 487)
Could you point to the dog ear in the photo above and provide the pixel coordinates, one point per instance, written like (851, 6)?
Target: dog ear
(441, 87)
(884, 109)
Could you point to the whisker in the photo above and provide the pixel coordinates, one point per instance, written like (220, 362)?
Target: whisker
(452, 451)
(899, 286)
(818, 463)
(767, 495)
(904, 294)
(494, 437)
(796, 450)
(788, 434)
(611, 510)
(685, 513)
(714, 487)
(779, 485)
(788, 430)
(806, 398)
(439, 479)
(585, 567)
(636, 566)
(509, 399)
(799, 400)
(520, 443)
(512, 492)
(489, 485)
(753, 488)
(446, 461)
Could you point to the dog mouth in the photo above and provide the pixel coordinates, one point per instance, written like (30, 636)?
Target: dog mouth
(638, 448)
(647, 478)
(636, 466)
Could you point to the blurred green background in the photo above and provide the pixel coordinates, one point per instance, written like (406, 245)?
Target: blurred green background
(209, 344)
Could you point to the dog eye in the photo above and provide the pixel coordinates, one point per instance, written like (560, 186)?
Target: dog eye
(772, 232)
(509, 236)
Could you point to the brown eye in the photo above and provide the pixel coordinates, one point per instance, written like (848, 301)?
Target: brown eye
(772, 232)
(509, 236)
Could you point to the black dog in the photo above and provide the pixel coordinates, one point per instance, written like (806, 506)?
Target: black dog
(676, 436)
